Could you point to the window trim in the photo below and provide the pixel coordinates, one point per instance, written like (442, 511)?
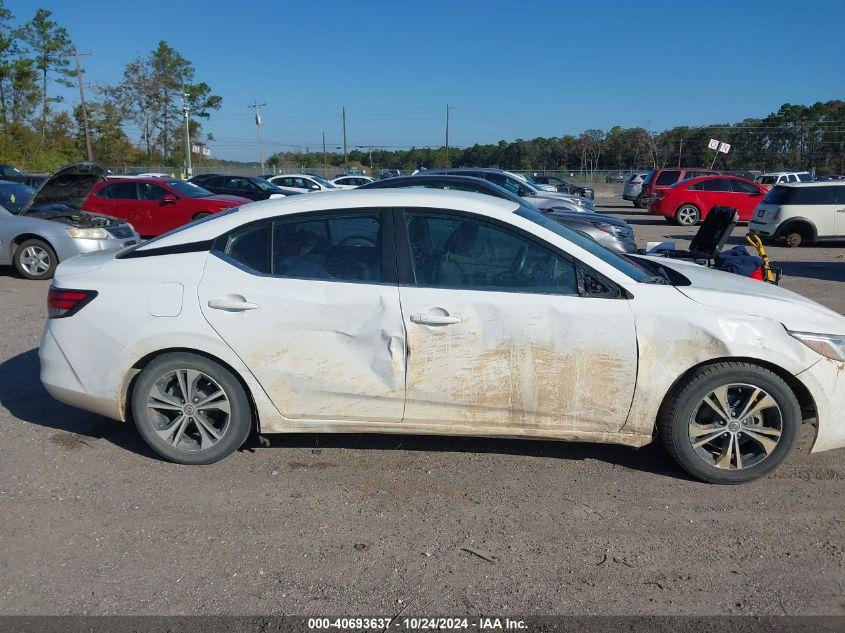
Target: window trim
(389, 275)
(405, 266)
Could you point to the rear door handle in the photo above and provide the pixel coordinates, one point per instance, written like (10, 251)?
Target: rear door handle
(232, 303)
(434, 319)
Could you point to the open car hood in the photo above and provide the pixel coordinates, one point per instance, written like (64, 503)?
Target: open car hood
(69, 187)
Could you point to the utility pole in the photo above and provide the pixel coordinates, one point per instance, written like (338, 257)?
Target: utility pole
(77, 54)
(186, 110)
(255, 106)
(680, 151)
(343, 116)
(325, 161)
(448, 108)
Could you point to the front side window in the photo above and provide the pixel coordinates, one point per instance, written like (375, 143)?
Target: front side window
(471, 254)
(338, 248)
(150, 192)
(740, 186)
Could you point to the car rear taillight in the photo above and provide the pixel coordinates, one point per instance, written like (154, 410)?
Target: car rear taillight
(63, 303)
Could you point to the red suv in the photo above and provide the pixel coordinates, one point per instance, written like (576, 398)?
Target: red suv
(156, 205)
(663, 178)
(687, 202)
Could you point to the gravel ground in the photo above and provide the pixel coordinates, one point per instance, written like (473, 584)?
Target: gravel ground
(94, 523)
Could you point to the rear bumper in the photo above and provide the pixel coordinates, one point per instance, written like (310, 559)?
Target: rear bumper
(759, 228)
(83, 367)
(826, 382)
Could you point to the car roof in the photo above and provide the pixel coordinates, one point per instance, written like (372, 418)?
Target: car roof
(294, 175)
(355, 199)
(153, 179)
(815, 183)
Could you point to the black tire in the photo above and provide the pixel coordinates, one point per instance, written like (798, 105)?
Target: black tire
(676, 416)
(687, 215)
(233, 435)
(637, 204)
(797, 236)
(40, 246)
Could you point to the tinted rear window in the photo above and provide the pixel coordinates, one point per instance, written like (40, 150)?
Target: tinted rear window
(667, 178)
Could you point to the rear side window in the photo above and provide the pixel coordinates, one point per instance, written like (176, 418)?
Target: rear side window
(331, 249)
(667, 177)
(119, 191)
(465, 253)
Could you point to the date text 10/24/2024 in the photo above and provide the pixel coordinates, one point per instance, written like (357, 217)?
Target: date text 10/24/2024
(417, 623)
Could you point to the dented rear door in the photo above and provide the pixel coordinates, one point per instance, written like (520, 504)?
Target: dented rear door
(311, 306)
(500, 339)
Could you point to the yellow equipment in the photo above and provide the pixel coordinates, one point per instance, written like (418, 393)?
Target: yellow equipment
(770, 275)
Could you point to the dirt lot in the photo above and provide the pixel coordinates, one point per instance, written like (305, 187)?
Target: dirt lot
(94, 523)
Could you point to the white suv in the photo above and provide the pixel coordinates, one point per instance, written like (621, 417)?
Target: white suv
(801, 213)
(782, 178)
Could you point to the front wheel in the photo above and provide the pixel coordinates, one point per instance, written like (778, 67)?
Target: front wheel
(687, 215)
(730, 423)
(190, 409)
(36, 259)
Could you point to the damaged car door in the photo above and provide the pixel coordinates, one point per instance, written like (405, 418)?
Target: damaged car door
(310, 304)
(508, 334)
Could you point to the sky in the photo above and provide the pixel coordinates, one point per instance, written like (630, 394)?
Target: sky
(509, 69)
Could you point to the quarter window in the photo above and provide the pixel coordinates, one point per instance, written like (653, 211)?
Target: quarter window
(462, 252)
(332, 249)
(250, 246)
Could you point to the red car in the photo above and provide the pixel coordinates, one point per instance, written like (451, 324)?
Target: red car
(156, 205)
(687, 202)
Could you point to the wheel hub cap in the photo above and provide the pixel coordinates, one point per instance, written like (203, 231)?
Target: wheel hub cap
(188, 409)
(735, 426)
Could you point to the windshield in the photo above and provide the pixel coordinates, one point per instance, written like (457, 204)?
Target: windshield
(13, 197)
(623, 264)
(265, 185)
(188, 189)
(324, 182)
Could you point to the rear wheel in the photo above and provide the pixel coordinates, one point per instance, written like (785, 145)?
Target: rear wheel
(687, 215)
(190, 409)
(798, 235)
(730, 423)
(36, 259)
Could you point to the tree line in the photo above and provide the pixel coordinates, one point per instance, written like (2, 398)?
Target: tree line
(140, 121)
(794, 137)
(37, 55)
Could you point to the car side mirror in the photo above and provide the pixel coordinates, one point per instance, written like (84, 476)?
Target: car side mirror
(168, 198)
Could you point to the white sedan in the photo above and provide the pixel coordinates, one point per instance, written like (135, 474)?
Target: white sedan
(440, 312)
(351, 181)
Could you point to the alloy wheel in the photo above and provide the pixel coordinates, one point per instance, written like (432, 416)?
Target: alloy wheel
(188, 409)
(35, 260)
(687, 215)
(735, 426)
